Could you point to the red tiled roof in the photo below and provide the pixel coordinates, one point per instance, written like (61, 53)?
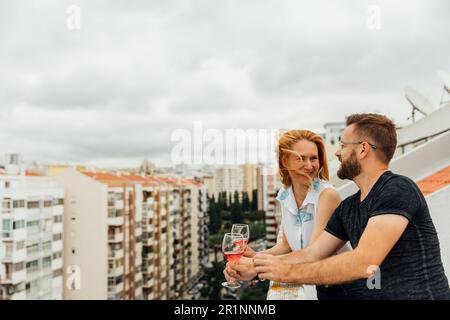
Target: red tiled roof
(30, 173)
(114, 180)
(435, 182)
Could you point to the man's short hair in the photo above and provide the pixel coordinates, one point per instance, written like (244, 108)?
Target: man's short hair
(379, 130)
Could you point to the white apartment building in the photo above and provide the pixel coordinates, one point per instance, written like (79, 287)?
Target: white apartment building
(31, 236)
(229, 179)
(333, 132)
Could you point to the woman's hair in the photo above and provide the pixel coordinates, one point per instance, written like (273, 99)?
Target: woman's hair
(285, 143)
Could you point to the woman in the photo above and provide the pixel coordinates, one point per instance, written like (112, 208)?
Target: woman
(307, 202)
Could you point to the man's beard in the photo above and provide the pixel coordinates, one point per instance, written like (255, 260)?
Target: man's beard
(350, 168)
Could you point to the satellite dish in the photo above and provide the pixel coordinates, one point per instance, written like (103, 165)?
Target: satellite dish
(418, 102)
(445, 78)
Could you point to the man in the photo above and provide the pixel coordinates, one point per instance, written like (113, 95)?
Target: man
(387, 223)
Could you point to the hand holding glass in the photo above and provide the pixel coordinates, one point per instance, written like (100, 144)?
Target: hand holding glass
(233, 249)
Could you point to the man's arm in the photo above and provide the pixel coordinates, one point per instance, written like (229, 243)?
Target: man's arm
(324, 246)
(381, 234)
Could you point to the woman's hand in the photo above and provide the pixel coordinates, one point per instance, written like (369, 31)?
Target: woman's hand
(242, 270)
(249, 252)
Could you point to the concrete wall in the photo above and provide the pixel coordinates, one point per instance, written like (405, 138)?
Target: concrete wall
(85, 231)
(439, 204)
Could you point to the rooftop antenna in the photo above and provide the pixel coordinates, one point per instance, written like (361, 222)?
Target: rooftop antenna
(418, 102)
(445, 78)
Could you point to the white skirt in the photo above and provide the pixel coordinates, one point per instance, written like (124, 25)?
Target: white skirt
(291, 291)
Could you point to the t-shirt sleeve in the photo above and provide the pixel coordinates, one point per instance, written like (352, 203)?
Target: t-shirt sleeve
(335, 225)
(398, 196)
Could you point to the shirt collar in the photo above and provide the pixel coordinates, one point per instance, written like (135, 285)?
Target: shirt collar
(286, 198)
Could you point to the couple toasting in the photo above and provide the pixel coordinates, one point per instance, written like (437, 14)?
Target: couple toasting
(327, 249)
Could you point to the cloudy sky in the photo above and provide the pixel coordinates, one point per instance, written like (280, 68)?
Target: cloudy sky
(112, 92)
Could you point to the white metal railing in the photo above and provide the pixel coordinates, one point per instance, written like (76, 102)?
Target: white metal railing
(415, 164)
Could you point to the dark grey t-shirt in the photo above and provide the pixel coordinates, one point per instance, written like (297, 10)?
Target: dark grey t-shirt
(413, 268)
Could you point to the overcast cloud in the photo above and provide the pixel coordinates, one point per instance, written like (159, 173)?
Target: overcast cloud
(112, 92)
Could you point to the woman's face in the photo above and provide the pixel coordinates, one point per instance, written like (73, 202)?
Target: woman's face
(310, 154)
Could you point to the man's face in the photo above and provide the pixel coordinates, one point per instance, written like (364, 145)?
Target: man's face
(350, 165)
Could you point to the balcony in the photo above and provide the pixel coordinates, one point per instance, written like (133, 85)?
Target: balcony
(57, 264)
(19, 295)
(116, 254)
(15, 235)
(115, 221)
(115, 289)
(114, 272)
(14, 256)
(57, 246)
(58, 227)
(15, 277)
(117, 237)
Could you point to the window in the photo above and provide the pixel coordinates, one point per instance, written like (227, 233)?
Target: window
(58, 219)
(7, 184)
(6, 203)
(32, 264)
(6, 224)
(57, 273)
(58, 202)
(46, 225)
(20, 224)
(48, 203)
(47, 262)
(33, 205)
(20, 245)
(18, 204)
(47, 245)
(19, 266)
(57, 237)
(31, 224)
(57, 255)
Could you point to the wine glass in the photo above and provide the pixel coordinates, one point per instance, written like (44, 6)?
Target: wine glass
(242, 229)
(233, 249)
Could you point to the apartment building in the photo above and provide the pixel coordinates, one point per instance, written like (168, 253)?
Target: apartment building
(103, 235)
(31, 236)
(131, 236)
(268, 186)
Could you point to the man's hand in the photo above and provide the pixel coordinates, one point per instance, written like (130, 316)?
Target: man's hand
(271, 267)
(249, 252)
(242, 270)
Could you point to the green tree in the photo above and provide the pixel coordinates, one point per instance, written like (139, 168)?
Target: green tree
(258, 215)
(257, 230)
(213, 279)
(215, 220)
(255, 200)
(246, 206)
(236, 210)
